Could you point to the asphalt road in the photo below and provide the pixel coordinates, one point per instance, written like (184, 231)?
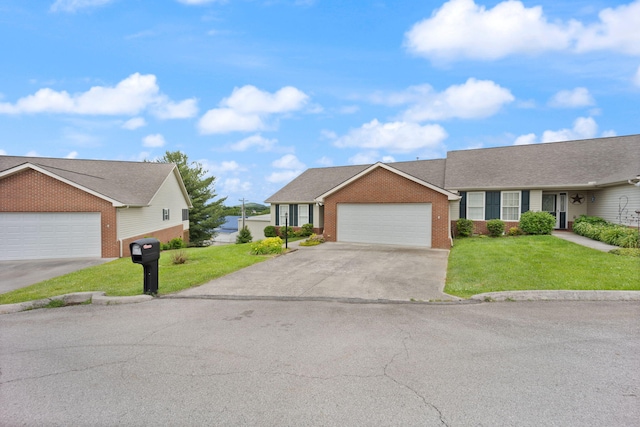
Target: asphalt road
(268, 363)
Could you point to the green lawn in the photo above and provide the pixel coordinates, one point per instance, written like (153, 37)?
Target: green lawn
(122, 277)
(478, 265)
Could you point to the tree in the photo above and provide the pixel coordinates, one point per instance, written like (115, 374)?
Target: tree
(206, 214)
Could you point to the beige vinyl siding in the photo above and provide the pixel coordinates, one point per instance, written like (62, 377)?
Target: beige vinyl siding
(616, 204)
(454, 210)
(535, 200)
(140, 220)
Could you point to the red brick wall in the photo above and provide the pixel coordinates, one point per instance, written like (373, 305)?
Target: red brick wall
(383, 186)
(32, 191)
(163, 235)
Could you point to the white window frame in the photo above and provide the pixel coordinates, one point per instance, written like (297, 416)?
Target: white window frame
(302, 217)
(282, 210)
(482, 205)
(504, 206)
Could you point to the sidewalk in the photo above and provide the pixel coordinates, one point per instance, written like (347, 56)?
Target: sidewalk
(584, 241)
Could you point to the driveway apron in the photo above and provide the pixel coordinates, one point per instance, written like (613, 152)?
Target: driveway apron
(340, 270)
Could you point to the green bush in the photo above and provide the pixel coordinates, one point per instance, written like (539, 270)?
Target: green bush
(593, 220)
(495, 227)
(270, 231)
(515, 231)
(612, 234)
(244, 236)
(286, 232)
(464, 227)
(177, 243)
(271, 245)
(313, 240)
(537, 222)
(626, 252)
(306, 230)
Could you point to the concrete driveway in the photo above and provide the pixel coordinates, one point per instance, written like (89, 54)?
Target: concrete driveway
(18, 274)
(339, 270)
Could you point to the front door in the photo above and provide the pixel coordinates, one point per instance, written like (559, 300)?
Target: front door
(556, 205)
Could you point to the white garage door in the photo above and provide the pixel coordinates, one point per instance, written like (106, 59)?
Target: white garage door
(386, 223)
(49, 235)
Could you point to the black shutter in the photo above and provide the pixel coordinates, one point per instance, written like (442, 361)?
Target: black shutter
(463, 204)
(492, 205)
(524, 203)
(293, 215)
(311, 213)
(277, 214)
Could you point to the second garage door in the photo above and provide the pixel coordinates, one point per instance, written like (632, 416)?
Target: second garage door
(385, 223)
(28, 235)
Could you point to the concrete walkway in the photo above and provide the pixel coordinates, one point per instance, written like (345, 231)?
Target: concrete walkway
(583, 241)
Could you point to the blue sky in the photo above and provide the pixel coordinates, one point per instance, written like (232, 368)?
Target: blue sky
(260, 90)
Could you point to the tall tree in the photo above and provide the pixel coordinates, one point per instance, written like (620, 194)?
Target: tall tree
(206, 214)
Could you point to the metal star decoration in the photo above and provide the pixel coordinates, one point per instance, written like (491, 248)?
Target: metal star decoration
(577, 199)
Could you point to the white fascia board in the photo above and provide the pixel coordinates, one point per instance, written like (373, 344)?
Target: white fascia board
(450, 195)
(26, 166)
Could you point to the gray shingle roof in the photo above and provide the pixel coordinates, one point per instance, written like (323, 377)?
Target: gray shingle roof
(130, 183)
(573, 163)
(562, 164)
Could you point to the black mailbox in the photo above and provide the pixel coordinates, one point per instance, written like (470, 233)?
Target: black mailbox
(147, 252)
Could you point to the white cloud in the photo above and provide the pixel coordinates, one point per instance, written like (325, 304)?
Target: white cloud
(464, 29)
(74, 5)
(258, 141)
(225, 166)
(235, 185)
(470, 100)
(166, 109)
(583, 128)
(199, 2)
(616, 31)
(283, 176)
(72, 155)
(155, 140)
(324, 161)
(129, 97)
(461, 28)
(349, 109)
(636, 77)
(395, 137)
(369, 157)
(288, 161)
(576, 98)
(134, 123)
(3, 153)
(248, 108)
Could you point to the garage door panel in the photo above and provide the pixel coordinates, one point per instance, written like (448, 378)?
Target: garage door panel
(50, 235)
(385, 223)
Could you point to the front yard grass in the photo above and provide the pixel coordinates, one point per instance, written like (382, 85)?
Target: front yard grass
(478, 265)
(122, 277)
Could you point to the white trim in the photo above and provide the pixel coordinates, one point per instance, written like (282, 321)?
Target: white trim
(502, 206)
(26, 166)
(450, 195)
(484, 207)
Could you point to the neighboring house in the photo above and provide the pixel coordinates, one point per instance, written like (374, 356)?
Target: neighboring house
(64, 208)
(417, 203)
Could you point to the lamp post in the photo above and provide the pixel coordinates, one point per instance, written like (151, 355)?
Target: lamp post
(286, 229)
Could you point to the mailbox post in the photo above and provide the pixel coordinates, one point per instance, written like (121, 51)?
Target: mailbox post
(147, 252)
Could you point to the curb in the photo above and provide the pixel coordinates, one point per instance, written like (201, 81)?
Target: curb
(98, 298)
(558, 296)
(348, 300)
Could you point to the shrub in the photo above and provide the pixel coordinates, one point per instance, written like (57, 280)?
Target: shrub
(177, 243)
(271, 245)
(179, 257)
(537, 222)
(313, 240)
(464, 227)
(612, 234)
(495, 227)
(270, 231)
(626, 252)
(286, 232)
(306, 230)
(593, 220)
(515, 231)
(244, 236)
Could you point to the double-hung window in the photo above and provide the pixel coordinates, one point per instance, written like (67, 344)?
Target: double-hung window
(284, 212)
(475, 205)
(165, 214)
(303, 214)
(510, 204)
